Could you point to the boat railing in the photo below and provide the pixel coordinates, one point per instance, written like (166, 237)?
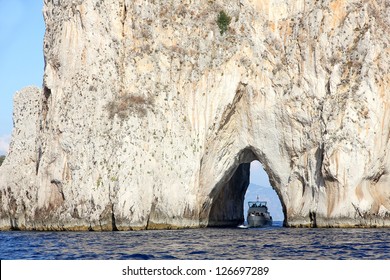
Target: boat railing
(257, 203)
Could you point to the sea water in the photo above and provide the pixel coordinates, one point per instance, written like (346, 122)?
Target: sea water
(274, 242)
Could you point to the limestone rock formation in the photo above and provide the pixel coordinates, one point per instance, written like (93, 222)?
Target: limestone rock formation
(18, 171)
(149, 116)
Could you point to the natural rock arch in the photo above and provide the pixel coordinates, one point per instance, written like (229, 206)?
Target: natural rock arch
(228, 195)
(225, 207)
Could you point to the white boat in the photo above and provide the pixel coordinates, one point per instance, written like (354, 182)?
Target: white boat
(258, 215)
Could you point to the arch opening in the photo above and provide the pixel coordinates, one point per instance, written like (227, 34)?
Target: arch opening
(260, 188)
(229, 197)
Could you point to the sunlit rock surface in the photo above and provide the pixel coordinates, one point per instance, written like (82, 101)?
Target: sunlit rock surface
(147, 112)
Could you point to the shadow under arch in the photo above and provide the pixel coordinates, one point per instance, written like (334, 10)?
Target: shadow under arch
(227, 197)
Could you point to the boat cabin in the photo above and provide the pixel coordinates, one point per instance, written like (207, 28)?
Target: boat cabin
(258, 214)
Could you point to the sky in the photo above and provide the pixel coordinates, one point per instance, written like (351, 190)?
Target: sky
(21, 56)
(257, 175)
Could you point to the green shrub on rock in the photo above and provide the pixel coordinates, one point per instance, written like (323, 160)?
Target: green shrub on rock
(223, 22)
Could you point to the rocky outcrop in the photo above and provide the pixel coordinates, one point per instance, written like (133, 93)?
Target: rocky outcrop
(18, 173)
(149, 115)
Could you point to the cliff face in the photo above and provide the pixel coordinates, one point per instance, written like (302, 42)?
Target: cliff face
(149, 116)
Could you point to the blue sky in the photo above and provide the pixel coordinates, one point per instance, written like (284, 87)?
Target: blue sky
(257, 174)
(21, 55)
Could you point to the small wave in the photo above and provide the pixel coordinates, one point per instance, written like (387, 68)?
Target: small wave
(197, 253)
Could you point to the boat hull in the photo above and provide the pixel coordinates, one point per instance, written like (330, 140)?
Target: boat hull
(258, 221)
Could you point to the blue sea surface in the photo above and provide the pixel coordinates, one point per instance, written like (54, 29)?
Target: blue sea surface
(274, 242)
